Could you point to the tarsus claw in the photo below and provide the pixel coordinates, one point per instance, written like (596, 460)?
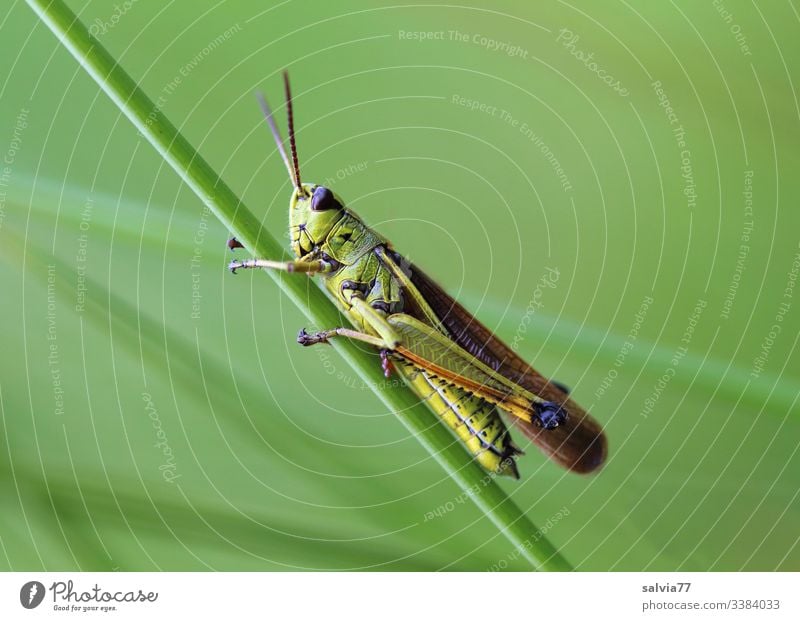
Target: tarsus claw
(305, 339)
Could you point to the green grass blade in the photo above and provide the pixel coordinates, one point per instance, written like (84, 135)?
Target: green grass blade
(222, 201)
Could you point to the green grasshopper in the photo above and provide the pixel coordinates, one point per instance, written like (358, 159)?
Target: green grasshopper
(453, 363)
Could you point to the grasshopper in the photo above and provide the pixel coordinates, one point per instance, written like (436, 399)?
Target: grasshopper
(463, 372)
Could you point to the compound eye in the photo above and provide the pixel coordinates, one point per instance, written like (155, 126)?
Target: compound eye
(323, 199)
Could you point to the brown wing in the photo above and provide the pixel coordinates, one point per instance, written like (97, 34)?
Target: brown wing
(578, 444)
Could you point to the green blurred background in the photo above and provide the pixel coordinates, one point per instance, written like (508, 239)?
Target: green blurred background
(157, 413)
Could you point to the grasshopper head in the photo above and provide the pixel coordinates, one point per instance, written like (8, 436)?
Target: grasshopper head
(313, 209)
(313, 212)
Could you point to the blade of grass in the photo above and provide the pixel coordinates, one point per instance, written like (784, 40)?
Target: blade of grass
(221, 200)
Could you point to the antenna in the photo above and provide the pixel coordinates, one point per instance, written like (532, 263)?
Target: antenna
(276, 135)
(291, 130)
